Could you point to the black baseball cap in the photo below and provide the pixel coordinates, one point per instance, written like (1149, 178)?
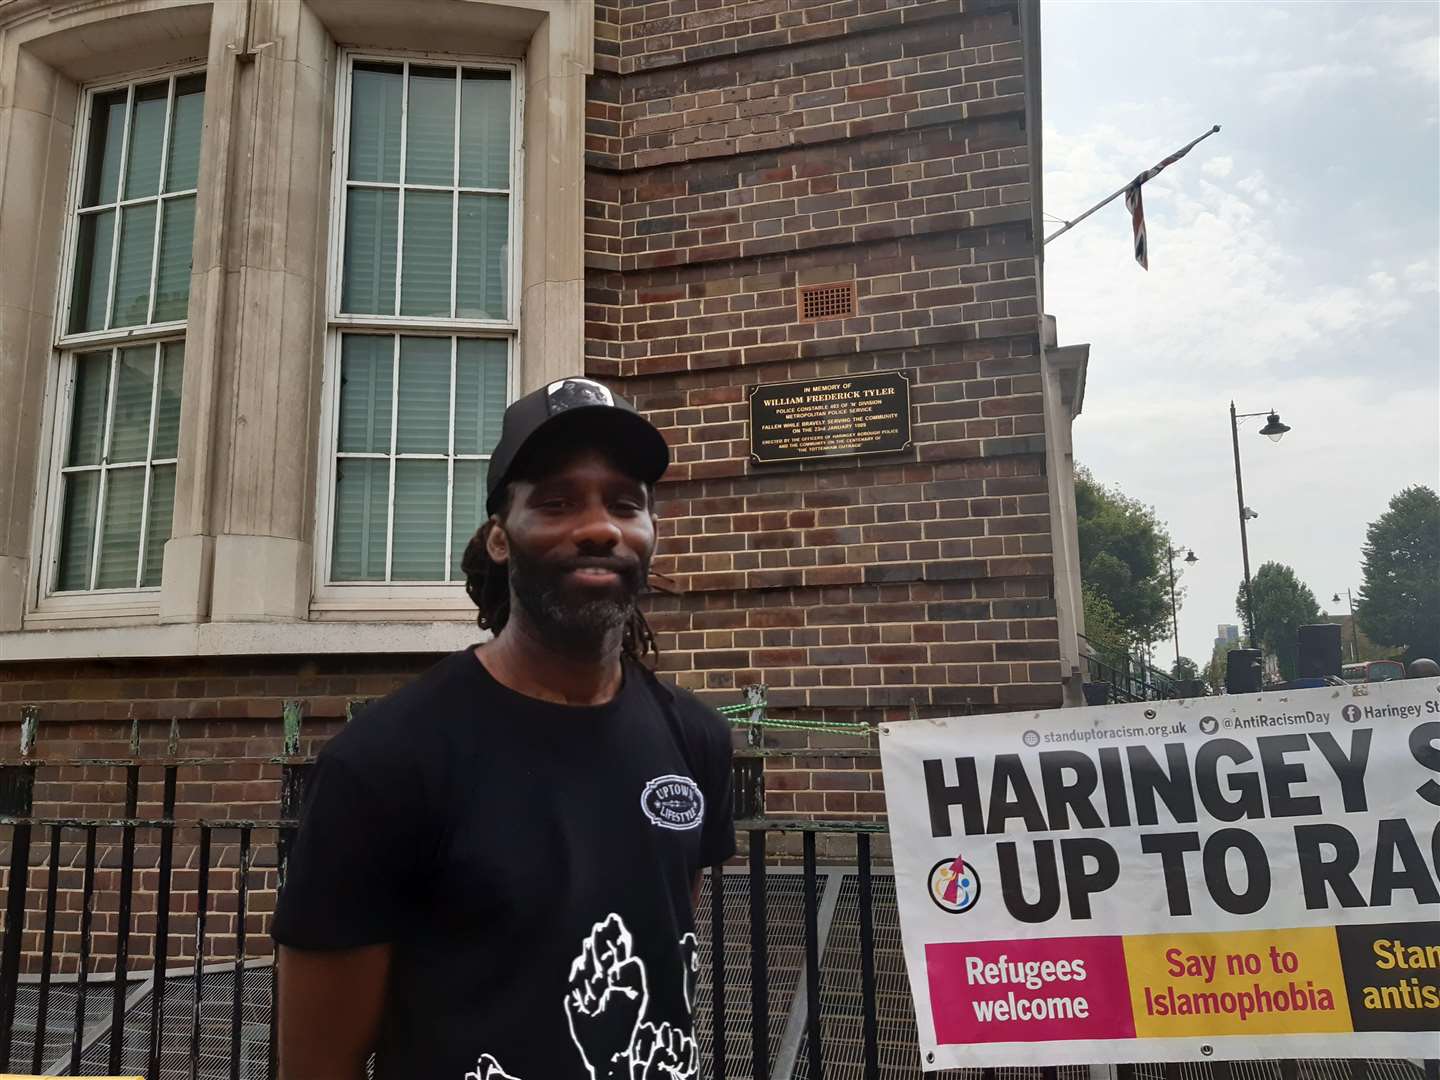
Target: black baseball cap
(585, 412)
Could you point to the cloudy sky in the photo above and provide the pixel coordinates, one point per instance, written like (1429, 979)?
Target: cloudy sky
(1293, 265)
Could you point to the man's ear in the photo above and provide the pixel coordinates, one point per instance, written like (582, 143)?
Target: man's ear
(497, 543)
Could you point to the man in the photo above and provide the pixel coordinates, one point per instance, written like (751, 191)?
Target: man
(496, 865)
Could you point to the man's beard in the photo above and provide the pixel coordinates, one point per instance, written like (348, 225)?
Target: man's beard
(578, 618)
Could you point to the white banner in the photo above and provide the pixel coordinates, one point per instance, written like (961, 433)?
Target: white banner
(1215, 878)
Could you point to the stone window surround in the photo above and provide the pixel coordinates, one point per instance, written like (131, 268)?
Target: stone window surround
(238, 570)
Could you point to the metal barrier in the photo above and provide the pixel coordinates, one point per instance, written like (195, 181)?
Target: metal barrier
(109, 1013)
(1128, 678)
(800, 935)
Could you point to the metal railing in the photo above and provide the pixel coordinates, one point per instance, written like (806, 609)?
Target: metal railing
(1128, 678)
(115, 1015)
(800, 935)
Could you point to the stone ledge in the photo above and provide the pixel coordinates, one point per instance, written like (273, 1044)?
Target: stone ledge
(231, 639)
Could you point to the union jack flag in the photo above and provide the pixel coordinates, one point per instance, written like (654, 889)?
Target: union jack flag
(1136, 205)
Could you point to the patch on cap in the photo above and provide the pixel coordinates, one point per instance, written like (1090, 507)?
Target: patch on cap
(574, 393)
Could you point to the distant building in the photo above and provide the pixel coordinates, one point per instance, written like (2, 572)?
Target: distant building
(1229, 636)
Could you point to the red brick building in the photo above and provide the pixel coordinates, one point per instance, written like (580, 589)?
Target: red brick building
(239, 453)
(737, 153)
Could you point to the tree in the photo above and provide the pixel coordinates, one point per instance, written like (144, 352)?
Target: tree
(1185, 668)
(1215, 670)
(1283, 604)
(1399, 601)
(1122, 558)
(1104, 629)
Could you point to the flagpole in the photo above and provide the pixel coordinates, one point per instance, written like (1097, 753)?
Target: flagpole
(1111, 198)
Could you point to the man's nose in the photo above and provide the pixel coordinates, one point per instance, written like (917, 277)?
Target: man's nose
(596, 527)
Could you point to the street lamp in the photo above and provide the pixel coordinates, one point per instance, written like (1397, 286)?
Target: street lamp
(1354, 634)
(1191, 559)
(1274, 430)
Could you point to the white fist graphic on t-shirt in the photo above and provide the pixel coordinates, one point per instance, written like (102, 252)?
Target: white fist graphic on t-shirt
(487, 1068)
(606, 1006)
(663, 1053)
(690, 963)
(607, 999)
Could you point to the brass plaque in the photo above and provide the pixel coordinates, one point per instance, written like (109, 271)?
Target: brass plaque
(834, 417)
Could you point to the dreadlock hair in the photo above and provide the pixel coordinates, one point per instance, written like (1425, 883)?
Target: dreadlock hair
(488, 584)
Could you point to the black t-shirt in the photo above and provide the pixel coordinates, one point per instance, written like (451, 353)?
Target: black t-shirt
(530, 863)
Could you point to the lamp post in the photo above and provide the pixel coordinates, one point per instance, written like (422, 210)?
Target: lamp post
(1274, 430)
(1354, 634)
(1190, 559)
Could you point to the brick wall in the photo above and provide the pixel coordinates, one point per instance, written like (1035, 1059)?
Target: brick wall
(220, 723)
(737, 151)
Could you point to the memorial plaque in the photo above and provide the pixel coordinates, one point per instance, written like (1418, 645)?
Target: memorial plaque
(834, 417)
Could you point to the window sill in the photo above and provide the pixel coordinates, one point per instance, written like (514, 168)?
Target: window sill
(382, 603)
(86, 612)
(238, 639)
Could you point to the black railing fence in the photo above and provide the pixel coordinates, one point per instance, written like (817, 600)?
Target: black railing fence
(136, 942)
(133, 941)
(1127, 678)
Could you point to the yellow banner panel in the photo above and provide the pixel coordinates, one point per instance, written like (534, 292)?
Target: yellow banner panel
(1254, 982)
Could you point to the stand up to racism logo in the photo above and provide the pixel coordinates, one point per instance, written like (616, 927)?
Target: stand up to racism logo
(954, 885)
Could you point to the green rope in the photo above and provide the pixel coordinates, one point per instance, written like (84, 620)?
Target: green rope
(740, 715)
(833, 727)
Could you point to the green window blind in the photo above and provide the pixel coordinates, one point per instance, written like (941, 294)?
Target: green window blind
(430, 127)
(132, 261)
(377, 95)
(427, 192)
(417, 419)
(134, 224)
(118, 473)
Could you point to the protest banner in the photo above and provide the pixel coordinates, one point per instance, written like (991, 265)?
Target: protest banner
(1233, 877)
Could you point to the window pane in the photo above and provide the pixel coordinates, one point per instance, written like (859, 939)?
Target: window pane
(419, 545)
(172, 276)
(366, 389)
(485, 129)
(366, 386)
(184, 166)
(167, 415)
(102, 153)
(430, 133)
(371, 234)
(469, 512)
(77, 530)
(133, 265)
(134, 387)
(147, 138)
(157, 528)
(423, 426)
(362, 495)
(425, 278)
(484, 256)
(87, 420)
(375, 103)
(120, 535)
(480, 369)
(91, 287)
